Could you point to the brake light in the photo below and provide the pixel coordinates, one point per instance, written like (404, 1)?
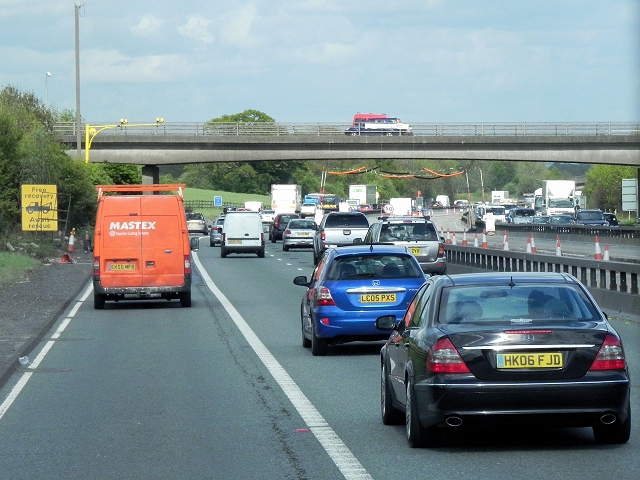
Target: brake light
(187, 264)
(96, 268)
(610, 356)
(287, 232)
(440, 250)
(323, 297)
(444, 358)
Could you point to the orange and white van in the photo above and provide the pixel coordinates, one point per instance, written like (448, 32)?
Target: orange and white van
(141, 244)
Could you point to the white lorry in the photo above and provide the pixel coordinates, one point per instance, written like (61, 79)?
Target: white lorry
(401, 206)
(365, 194)
(556, 197)
(286, 198)
(498, 197)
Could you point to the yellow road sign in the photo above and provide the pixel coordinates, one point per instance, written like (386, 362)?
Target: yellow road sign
(40, 208)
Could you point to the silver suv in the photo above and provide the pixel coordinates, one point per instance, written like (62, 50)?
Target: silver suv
(419, 234)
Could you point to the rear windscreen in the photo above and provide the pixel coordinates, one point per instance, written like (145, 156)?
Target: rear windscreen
(355, 221)
(515, 305)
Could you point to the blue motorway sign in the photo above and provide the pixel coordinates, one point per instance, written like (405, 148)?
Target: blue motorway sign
(217, 201)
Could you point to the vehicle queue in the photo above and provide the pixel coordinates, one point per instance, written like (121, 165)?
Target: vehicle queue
(520, 348)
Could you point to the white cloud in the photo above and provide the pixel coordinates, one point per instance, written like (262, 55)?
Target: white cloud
(197, 27)
(111, 66)
(148, 26)
(237, 26)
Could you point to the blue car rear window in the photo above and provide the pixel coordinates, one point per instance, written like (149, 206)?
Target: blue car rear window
(374, 266)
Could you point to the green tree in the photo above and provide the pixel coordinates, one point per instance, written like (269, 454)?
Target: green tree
(603, 186)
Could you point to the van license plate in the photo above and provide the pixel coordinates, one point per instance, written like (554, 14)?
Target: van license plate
(529, 360)
(378, 298)
(122, 266)
(234, 242)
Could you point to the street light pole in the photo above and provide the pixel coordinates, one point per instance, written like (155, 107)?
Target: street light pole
(78, 5)
(91, 131)
(46, 89)
(482, 185)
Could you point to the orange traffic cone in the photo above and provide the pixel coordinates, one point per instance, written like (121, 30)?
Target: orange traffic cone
(453, 239)
(464, 239)
(558, 249)
(72, 241)
(484, 239)
(448, 241)
(606, 253)
(528, 244)
(505, 246)
(475, 241)
(533, 244)
(66, 258)
(598, 254)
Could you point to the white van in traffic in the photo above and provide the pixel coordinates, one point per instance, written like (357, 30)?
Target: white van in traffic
(242, 233)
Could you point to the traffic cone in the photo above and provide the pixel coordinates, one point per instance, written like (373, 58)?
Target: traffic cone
(528, 244)
(484, 239)
(475, 241)
(505, 246)
(606, 253)
(504, 237)
(453, 239)
(72, 241)
(66, 258)
(464, 239)
(598, 254)
(533, 244)
(448, 241)
(558, 249)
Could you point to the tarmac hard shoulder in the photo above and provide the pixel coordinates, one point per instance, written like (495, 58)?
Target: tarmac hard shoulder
(30, 307)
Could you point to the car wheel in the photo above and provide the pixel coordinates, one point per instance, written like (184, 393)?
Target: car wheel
(185, 299)
(212, 243)
(285, 247)
(223, 252)
(306, 343)
(616, 433)
(261, 253)
(417, 435)
(98, 301)
(273, 238)
(318, 345)
(315, 258)
(390, 415)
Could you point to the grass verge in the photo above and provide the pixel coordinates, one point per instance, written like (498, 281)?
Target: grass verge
(13, 266)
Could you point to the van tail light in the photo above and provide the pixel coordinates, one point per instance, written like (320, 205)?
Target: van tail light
(96, 268)
(440, 250)
(610, 356)
(187, 264)
(262, 237)
(323, 297)
(444, 358)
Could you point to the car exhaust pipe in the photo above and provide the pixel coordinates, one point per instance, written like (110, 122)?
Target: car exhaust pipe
(608, 419)
(454, 421)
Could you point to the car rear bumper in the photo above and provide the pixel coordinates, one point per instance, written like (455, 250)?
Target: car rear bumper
(352, 325)
(572, 403)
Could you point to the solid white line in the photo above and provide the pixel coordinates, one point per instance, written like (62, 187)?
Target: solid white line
(346, 462)
(22, 382)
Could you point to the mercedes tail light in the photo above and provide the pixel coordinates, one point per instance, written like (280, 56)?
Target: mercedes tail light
(444, 358)
(610, 356)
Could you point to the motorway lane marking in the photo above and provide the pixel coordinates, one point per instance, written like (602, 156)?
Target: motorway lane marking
(346, 462)
(22, 382)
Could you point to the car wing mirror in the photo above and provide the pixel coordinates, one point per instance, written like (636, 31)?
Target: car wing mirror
(386, 322)
(194, 244)
(301, 280)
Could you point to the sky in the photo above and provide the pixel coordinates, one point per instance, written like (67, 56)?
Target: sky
(325, 60)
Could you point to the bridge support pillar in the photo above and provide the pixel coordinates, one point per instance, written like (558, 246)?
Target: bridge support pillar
(150, 174)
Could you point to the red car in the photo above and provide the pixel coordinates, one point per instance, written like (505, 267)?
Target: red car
(365, 208)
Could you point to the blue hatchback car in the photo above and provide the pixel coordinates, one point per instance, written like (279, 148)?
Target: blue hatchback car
(352, 286)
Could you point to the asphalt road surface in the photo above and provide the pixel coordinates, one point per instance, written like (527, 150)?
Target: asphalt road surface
(224, 389)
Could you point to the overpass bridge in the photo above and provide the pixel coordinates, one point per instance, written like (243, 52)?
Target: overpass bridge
(152, 145)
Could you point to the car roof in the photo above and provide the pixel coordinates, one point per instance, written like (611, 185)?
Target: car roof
(404, 219)
(372, 248)
(507, 278)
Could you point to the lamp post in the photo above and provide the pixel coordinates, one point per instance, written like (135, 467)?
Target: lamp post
(78, 5)
(46, 89)
(90, 132)
(482, 185)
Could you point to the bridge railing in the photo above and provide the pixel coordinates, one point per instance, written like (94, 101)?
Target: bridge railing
(323, 129)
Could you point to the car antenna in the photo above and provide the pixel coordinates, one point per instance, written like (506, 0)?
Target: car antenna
(511, 284)
(371, 247)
